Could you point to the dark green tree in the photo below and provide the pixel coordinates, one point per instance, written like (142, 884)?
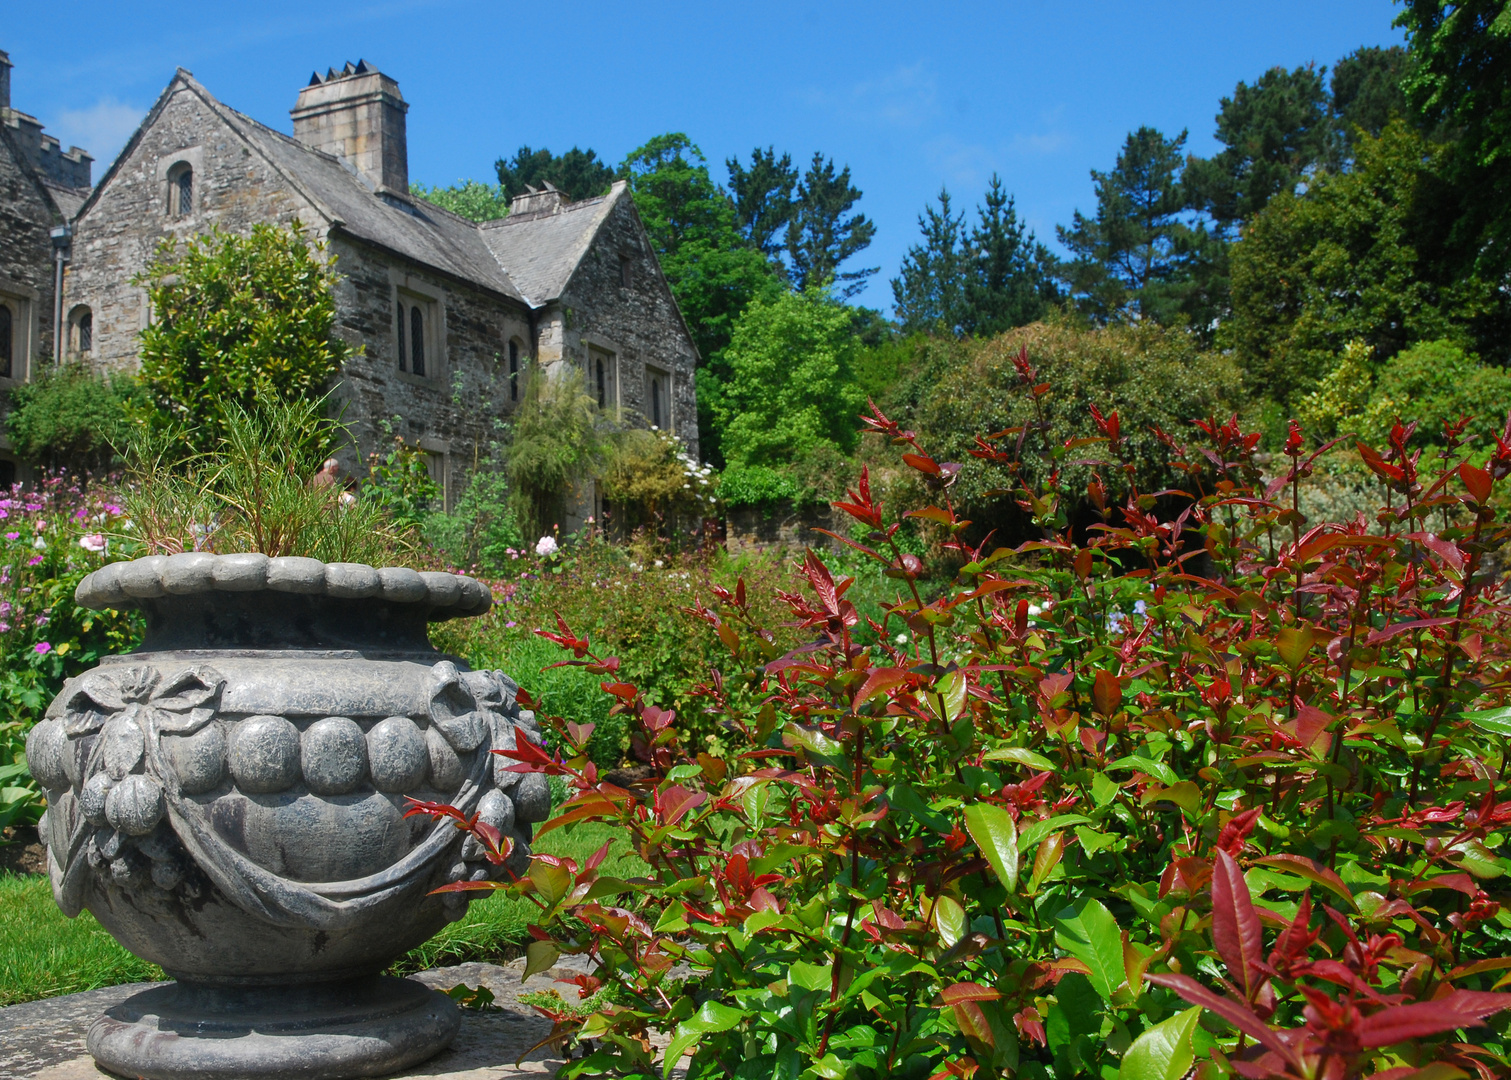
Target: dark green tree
(976, 282)
(1368, 92)
(712, 269)
(823, 234)
(929, 292)
(1460, 77)
(1010, 280)
(1272, 133)
(577, 173)
(763, 197)
(1139, 257)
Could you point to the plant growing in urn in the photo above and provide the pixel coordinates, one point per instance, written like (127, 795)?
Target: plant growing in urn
(229, 800)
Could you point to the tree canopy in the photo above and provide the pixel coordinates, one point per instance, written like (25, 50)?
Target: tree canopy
(579, 174)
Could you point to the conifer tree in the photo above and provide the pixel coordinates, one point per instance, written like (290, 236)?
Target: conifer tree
(822, 233)
(763, 196)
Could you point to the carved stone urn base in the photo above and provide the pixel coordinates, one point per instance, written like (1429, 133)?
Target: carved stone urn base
(323, 1031)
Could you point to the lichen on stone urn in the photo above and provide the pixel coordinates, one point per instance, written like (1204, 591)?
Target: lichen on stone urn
(230, 800)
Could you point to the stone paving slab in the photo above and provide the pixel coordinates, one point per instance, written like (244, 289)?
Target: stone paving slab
(44, 1040)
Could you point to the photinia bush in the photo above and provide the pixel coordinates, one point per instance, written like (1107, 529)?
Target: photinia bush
(1221, 791)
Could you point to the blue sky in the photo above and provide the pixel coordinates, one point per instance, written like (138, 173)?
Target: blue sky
(911, 96)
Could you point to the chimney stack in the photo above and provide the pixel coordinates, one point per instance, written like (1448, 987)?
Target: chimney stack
(5, 66)
(547, 200)
(357, 113)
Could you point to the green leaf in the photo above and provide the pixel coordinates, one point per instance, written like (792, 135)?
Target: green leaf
(539, 956)
(1164, 1051)
(1038, 830)
(1022, 757)
(1494, 721)
(1157, 769)
(552, 882)
(949, 917)
(904, 798)
(810, 976)
(996, 834)
(1091, 935)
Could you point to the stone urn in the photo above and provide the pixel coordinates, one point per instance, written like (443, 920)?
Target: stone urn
(229, 802)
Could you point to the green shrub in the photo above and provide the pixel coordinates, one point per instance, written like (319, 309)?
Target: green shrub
(1151, 376)
(70, 418)
(1088, 815)
(238, 319)
(557, 439)
(790, 387)
(653, 484)
(1437, 382)
(756, 485)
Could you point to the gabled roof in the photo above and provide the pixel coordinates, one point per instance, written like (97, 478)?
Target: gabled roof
(540, 251)
(528, 257)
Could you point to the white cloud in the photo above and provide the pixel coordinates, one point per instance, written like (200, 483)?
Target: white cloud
(101, 128)
(904, 97)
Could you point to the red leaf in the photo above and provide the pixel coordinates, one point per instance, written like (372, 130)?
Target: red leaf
(973, 1023)
(1235, 927)
(878, 682)
(922, 464)
(1462, 1008)
(968, 991)
(1107, 693)
(1236, 1013)
(674, 803)
(1312, 870)
(1477, 481)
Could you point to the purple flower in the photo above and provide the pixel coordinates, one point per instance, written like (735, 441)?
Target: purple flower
(13, 536)
(510, 625)
(35, 560)
(42, 647)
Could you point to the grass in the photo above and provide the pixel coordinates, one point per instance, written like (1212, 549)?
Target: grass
(43, 954)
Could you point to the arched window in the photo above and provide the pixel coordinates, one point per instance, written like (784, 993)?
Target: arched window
(80, 330)
(403, 356)
(603, 393)
(513, 371)
(417, 340)
(656, 401)
(7, 335)
(181, 190)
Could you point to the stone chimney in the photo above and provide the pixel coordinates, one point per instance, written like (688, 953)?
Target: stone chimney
(540, 203)
(357, 112)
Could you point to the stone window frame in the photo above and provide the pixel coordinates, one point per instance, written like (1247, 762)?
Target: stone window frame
(24, 303)
(668, 421)
(596, 349)
(168, 168)
(415, 290)
(516, 359)
(74, 329)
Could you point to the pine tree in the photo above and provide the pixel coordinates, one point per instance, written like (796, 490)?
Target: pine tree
(763, 196)
(820, 237)
(1273, 133)
(929, 292)
(1010, 279)
(578, 173)
(1137, 257)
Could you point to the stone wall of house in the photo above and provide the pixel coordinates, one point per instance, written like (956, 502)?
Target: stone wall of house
(618, 302)
(451, 411)
(234, 188)
(26, 279)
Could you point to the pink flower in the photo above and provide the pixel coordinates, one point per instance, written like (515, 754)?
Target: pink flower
(92, 542)
(13, 536)
(35, 560)
(42, 647)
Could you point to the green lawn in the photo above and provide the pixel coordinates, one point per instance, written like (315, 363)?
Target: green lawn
(43, 954)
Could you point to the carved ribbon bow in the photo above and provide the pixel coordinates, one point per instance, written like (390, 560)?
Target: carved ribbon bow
(181, 704)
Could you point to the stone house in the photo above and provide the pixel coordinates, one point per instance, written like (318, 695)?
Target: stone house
(41, 188)
(448, 313)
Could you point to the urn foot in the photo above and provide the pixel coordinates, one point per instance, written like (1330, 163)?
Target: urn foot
(329, 1031)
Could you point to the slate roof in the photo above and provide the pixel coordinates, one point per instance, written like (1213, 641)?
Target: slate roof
(528, 257)
(541, 250)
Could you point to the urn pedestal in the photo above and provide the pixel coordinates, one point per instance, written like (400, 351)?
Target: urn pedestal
(229, 802)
